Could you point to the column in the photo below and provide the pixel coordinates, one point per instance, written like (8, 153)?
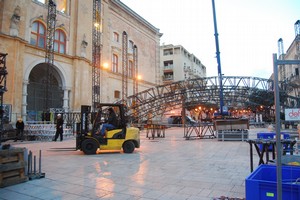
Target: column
(24, 100)
(66, 99)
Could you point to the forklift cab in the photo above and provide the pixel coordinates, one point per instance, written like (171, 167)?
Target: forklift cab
(102, 118)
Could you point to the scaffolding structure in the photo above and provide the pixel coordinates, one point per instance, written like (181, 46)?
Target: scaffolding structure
(124, 66)
(49, 56)
(240, 92)
(3, 89)
(135, 70)
(96, 56)
(135, 78)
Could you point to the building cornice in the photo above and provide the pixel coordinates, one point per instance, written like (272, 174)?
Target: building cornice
(122, 6)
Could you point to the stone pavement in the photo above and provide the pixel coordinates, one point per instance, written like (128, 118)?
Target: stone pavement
(163, 168)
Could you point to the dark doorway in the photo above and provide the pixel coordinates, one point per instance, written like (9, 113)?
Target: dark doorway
(38, 101)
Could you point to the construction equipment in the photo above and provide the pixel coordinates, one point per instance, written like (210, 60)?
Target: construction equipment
(122, 137)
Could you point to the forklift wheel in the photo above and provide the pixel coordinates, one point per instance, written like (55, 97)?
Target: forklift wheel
(89, 146)
(128, 147)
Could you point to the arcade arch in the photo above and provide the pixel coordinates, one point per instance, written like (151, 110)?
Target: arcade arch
(35, 95)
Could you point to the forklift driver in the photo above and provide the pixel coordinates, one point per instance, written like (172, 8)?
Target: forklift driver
(112, 121)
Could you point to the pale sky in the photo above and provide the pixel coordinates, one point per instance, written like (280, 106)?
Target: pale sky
(248, 30)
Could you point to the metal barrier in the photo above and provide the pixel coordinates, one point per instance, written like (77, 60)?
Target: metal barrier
(200, 130)
(43, 131)
(232, 129)
(155, 130)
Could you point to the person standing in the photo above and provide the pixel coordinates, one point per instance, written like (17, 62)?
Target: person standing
(59, 128)
(20, 129)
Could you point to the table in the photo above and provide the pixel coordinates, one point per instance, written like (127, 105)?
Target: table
(288, 145)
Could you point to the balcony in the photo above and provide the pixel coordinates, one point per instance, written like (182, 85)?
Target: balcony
(168, 68)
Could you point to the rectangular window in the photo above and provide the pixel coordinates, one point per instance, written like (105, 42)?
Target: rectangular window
(117, 94)
(114, 67)
(116, 37)
(61, 5)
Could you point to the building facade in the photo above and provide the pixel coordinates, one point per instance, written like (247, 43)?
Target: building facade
(23, 26)
(178, 64)
(289, 74)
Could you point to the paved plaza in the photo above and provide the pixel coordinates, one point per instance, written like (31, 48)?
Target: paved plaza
(163, 168)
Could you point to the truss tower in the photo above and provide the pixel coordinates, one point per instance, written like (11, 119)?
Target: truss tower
(49, 56)
(124, 66)
(96, 57)
(3, 73)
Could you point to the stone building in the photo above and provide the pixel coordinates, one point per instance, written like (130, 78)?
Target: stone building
(23, 26)
(178, 64)
(290, 73)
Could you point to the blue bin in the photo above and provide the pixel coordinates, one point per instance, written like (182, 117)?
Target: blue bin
(261, 184)
(270, 135)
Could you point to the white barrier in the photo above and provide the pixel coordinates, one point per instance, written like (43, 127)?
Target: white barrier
(44, 131)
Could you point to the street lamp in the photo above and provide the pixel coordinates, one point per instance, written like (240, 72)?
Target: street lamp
(139, 77)
(105, 66)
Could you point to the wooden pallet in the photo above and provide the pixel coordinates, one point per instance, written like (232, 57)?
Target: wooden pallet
(12, 167)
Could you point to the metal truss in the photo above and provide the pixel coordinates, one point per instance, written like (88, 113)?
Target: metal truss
(124, 66)
(49, 56)
(96, 56)
(51, 22)
(3, 89)
(238, 92)
(135, 70)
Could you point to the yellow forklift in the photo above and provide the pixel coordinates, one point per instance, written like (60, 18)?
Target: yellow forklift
(118, 138)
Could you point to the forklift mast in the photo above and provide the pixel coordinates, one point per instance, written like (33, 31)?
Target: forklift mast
(84, 126)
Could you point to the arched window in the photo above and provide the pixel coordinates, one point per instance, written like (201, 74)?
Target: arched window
(38, 34)
(60, 41)
(130, 45)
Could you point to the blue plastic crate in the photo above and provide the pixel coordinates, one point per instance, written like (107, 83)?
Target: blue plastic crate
(270, 135)
(261, 184)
